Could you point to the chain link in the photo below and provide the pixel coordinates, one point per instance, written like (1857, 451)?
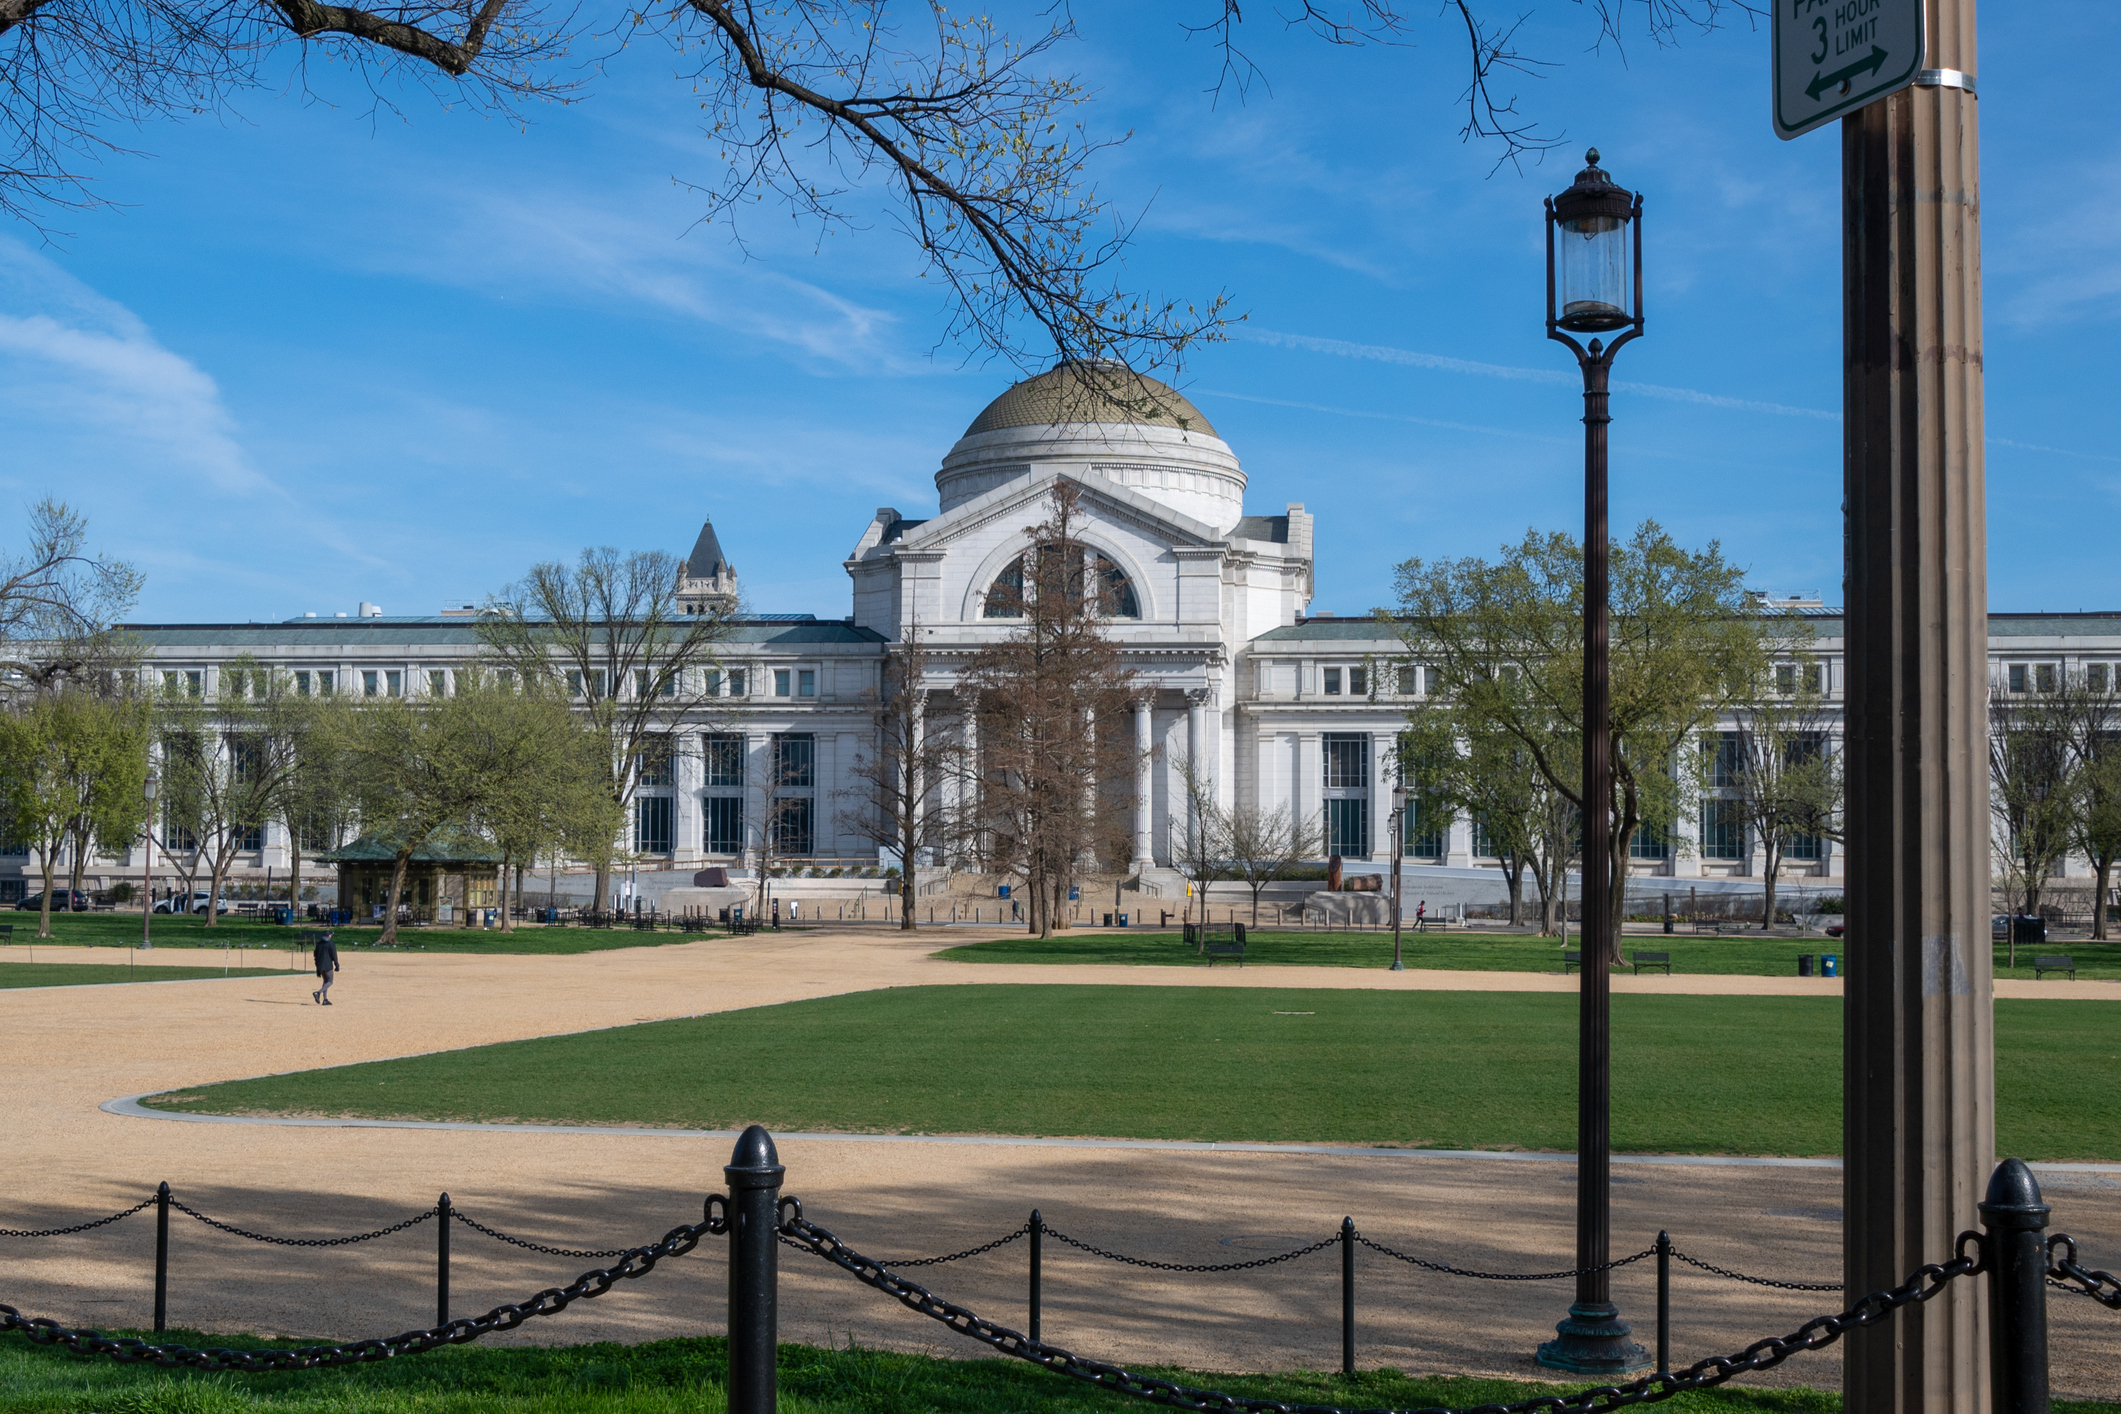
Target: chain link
(477, 1226)
(1816, 1334)
(1020, 1233)
(1758, 1281)
(1333, 1241)
(2102, 1287)
(1450, 1270)
(77, 1227)
(550, 1302)
(415, 1221)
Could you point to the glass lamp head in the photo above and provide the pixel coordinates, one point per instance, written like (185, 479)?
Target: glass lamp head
(153, 787)
(1592, 264)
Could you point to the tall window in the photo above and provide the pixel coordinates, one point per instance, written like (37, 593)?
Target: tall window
(723, 758)
(656, 762)
(1722, 830)
(1425, 831)
(794, 779)
(1727, 764)
(1116, 599)
(1347, 788)
(1650, 841)
(794, 828)
(794, 759)
(725, 824)
(250, 838)
(655, 824)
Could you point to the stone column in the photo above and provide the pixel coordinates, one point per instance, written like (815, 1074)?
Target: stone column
(1196, 745)
(1144, 749)
(1918, 1057)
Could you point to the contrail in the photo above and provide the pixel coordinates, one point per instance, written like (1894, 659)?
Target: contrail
(1382, 353)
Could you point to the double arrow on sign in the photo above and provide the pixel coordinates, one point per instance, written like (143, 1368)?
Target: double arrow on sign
(1823, 81)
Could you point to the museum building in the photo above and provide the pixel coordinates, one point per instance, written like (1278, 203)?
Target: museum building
(1270, 703)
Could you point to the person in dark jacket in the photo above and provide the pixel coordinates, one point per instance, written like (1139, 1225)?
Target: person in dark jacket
(327, 958)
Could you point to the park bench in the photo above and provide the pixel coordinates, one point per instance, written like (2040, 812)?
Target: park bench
(2044, 965)
(1709, 925)
(1651, 959)
(1569, 960)
(1233, 948)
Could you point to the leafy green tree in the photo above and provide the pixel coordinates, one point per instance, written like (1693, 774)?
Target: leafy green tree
(2098, 814)
(534, 772)
(406, 763)
(1506, 642)
(71, 767)
(1785, 777)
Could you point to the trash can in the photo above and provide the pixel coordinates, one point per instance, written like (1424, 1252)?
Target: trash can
(1108, 920)
(286, 917)
(1005, 891)
(1804, 964)
(1123, 920)
(1829, 964)
(2029, 930)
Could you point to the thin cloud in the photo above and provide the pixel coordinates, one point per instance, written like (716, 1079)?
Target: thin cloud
(1383, 353)
(2050, 451)
(89, 362)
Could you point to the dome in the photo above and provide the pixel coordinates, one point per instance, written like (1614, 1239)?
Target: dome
(1095, 390)
(1093, 418)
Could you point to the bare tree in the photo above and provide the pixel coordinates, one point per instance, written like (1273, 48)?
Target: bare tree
(1263, 845)
(233, 761)
(902, 799)
(57, 602)
(1780, 771)
(1200, 845)
(613, 631)
(2096, 732)
(1048, 702)
(2033, 770)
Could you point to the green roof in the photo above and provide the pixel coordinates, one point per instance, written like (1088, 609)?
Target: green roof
(414, 632)
(443, 849)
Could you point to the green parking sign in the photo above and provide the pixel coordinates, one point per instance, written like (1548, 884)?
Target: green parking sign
(1834, 56)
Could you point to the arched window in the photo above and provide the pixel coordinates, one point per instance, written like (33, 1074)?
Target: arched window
(1007, 595)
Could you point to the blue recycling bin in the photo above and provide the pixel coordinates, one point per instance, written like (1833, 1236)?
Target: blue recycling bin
(1005, 891)
(286, 917)
(1830, 964)
(1074, 894)
(1123, 920)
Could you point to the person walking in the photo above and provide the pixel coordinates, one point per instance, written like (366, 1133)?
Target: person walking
(327, 960)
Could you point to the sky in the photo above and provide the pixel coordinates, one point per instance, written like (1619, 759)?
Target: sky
(318, 352)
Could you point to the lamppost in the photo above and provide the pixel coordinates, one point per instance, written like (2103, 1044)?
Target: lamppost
(1399, 846)
(1594, 286)
(151, 789)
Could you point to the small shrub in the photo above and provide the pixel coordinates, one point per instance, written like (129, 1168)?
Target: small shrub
(122, 892)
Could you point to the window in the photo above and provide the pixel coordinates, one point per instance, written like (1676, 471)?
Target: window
(1785, 677)
(1332, 680)
(724, 758)
(1409, 682)
(325, 681)
(1358, 682)
(780, 682)
(1116, 592)
(234, 684)
(2017, 677)
(1722, 830)
(806, 683)
(643, 682)
(2095, 677)
(191, 684)
(1804, 847)
(438, 682)
(301, 684)
(1727, 764)
(713, 683)
(1424, 831)
(655, 765)
(1814, 678)
(738, 683)
(2043, 677)
(250, 838)
(396, 683)
(1006, 596)
(1434, 678)
(246, 759)
(1347, 783)
(794, 834)
(1650, 841)
(725, 824)
(176, 835)
(368, 683)
(794, 759)
(654, 824)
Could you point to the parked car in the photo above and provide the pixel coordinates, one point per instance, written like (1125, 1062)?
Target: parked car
(199, 900)
(64, 901)
(1834, 930)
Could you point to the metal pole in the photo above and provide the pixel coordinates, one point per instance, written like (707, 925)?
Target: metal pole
(442, 1215)
(1918, 1041)
(2017, 1263)
(1038, 1259)
(1664, 1303)
(1399, 840)
(1347, 1296)
(161, 1256)
(754, 1174)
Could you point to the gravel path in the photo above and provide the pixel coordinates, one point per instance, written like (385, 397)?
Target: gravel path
(69, 1050)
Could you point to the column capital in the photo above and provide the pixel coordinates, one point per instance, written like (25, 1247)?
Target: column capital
(1198, 696)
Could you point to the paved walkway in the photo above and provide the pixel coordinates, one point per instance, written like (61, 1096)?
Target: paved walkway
(69, 1050)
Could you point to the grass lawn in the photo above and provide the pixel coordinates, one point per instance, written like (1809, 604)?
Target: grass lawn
(1739, 1075)
(122, 930)
(1474, 952)
(89, 974)
(686, 1376)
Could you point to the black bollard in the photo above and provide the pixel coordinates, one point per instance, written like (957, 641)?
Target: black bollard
(2016, 1253)
(161, 1256)
(754, 1173)
(1347, 1296)
(442, 1211)
(1664, 1303)
(1038, 1261)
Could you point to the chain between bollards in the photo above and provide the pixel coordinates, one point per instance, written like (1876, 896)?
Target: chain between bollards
(162, 1255)
(1038, 1258)
(442, 1211)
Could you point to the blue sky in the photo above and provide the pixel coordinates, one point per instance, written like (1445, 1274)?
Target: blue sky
(322, 354)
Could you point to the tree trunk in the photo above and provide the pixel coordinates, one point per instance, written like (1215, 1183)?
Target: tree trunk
(215, 873)
(1255, 905)
(908, 886)
(1513, 874)
(294, 870)
(500, 892)
(44, 914)
(2101, 868)
(80, 834)
(1773, 857)
(390, 906)
(603, 887)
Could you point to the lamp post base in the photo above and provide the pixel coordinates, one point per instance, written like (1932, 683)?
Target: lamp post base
(1594, 1341)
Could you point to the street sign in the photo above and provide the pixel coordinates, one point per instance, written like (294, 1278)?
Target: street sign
(1834, 56)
